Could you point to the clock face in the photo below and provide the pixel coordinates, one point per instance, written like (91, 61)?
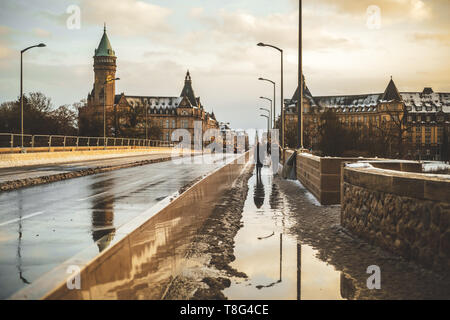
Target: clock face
(109, 78)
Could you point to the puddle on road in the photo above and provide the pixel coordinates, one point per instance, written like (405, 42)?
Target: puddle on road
(277, 265)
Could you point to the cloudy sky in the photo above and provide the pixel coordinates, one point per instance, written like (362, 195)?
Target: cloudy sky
(347, 49)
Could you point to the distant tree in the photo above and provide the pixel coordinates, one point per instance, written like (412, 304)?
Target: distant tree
(291, 134)
(334, 137)
(64, 120)
(394, 131)
(39, 116)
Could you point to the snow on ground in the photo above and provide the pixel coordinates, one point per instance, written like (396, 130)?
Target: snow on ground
(308, 194)
(435, 166)
(359, 165)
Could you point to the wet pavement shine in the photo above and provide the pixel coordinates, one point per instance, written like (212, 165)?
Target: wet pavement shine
(43, 226)
(277, 264)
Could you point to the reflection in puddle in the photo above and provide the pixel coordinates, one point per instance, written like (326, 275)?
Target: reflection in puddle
(278, 267)
(103, 229)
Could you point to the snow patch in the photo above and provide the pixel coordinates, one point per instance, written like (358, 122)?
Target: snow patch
(359, 165)
(308, 194)
(435, 166)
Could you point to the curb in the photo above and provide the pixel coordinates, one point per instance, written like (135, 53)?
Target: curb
(28, 182)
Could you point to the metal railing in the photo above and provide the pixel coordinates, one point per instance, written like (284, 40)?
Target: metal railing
(13, 140)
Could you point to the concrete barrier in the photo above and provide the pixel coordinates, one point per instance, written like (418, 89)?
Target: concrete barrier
(146, 253)
(24, 159)
(322, 175)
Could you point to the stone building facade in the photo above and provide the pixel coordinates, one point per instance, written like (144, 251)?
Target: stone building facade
(152, 117)
(422, 118)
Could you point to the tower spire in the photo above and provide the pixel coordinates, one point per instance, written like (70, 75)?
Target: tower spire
(104, 27)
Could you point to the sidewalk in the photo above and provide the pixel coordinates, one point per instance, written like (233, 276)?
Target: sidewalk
(44, 158)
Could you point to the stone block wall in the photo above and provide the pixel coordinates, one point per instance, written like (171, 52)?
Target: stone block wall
(406, 213)
(322, 176)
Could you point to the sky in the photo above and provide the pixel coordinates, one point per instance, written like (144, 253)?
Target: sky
(349, 47)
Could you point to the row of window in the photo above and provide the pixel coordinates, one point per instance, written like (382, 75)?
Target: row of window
(425, 118)
(167, 123)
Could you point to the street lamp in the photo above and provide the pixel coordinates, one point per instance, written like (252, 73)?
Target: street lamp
(270, 106)
(268, 120)
(282, 102)
(104, 108)
(40, 45)
(300, 81)
(146, 125)
(274, 96)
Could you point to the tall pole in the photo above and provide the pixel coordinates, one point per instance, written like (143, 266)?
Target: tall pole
(40, 45)
(146, 130)
(270, 114)
(274, 104)
(282, 103)
(274, 99)
(21, 95)
(300, 80)
(104, 110)
(104, 114)
(268, 121)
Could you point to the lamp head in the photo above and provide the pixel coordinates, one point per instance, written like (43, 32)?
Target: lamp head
(40, 45)
(261, 44)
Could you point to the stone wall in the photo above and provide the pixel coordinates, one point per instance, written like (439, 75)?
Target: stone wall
(406, 213)
(322, 176)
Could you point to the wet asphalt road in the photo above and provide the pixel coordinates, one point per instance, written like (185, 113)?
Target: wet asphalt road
(42, 226)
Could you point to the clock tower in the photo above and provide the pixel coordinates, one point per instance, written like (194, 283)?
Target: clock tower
(104, 71)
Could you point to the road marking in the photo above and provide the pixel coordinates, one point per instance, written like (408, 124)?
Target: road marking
(23, 218)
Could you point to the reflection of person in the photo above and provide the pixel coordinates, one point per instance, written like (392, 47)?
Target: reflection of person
(259, 159)
(258, 195)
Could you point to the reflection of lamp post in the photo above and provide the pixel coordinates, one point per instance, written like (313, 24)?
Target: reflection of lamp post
(40, 45)
(281, 266)
(104, 108)
(270, 115)
(274, 100)
(282, 102)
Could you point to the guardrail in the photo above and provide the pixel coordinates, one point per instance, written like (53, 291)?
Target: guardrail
(13, 140)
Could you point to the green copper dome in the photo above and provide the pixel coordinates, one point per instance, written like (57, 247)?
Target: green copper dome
(104, 48)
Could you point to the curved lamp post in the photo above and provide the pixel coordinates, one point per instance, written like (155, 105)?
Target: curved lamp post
(274, 98)
(268, 120)
(282, 102)
(270, 115)
(104, 108)
(40, 45)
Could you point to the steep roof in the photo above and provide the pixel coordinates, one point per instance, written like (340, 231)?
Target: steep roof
(348, 100)
(187, 91)
(391, 92)
(104, 48)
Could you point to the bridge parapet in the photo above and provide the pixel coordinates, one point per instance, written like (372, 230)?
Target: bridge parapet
(404, 212)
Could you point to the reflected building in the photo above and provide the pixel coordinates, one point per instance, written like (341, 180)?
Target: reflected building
(103, 229)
